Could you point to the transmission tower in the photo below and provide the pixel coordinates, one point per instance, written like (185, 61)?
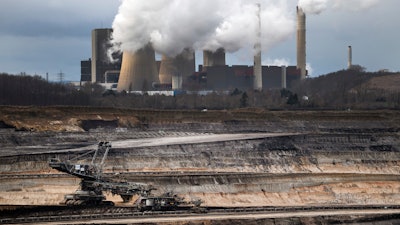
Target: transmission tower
(61, 76)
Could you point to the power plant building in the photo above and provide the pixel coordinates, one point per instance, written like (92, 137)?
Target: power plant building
(139, 71)
(222, 78)
(100, 62)
(181, 66)
(86, 70)
(216, 58)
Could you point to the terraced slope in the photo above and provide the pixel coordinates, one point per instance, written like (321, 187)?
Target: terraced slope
(238, 158)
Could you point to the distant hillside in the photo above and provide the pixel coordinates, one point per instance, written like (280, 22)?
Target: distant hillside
(351, 88)
(389, 82)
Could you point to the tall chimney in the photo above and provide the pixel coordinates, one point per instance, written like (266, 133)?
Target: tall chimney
(350, 62)
(216, 58)
(138, 71)
(257, 85)
(183, 65)
(284, 75)
(301, 42)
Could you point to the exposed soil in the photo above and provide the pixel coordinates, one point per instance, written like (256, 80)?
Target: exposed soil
(246, 157)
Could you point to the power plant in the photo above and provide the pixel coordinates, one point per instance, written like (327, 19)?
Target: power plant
(100, 63)
(99, 68)
(139, 71)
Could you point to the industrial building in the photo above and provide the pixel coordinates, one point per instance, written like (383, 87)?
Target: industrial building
(86, 70)
(221, 78)
(173, 70)
(100, 63)
(140, 71)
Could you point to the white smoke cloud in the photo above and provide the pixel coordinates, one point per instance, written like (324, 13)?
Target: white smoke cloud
(309, 69)
(173, 25)
(277, 62)
(318, 6)
(354, 5)
(313, 6)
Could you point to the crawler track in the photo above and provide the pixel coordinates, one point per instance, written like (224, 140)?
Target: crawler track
(64, 214)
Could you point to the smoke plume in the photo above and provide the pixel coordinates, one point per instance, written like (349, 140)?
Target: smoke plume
(313, 6)
(174, 25)
(318, 6)
(354, 5)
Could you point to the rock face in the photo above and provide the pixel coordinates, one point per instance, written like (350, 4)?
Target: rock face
(305, 159)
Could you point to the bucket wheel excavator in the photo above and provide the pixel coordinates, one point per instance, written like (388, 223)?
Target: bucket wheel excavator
(93, 183)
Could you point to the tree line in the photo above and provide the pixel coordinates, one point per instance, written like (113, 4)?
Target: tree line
(34, 90)
(339, 90)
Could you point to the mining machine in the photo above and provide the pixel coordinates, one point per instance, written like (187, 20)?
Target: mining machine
(93, 183)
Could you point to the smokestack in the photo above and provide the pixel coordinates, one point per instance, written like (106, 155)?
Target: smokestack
(182, 65)
(350, 62)
(138, 71)
(216, 58)
(301, 42)
(284, 72)
(257, 85)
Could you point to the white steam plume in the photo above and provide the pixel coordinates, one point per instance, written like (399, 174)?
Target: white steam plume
(277, 62)
(173, 25)
(318, 6)
(354, 5)
(313, 6)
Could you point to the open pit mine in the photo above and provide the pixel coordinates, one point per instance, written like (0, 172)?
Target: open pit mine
(311, 167)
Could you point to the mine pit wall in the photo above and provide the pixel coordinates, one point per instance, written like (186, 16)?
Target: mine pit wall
(292, 170)
(317, 153)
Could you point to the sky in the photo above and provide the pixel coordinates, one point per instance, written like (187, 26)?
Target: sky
(50, 36)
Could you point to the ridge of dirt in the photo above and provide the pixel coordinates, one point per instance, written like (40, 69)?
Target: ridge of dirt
(80, 119)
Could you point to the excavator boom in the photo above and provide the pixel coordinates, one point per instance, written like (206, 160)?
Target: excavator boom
(92, 183)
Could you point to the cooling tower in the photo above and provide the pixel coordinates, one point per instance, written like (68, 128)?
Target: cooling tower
(301, 42)
(182, 65)
(216, 58)
(257, 85)
(138, 71)
(350, 59)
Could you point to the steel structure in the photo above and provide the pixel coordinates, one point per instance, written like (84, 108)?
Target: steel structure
(93, 184)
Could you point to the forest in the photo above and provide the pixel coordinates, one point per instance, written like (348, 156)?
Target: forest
(346, 89)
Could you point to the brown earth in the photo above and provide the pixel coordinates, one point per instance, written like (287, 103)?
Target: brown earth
(387, 83)
(312, 158)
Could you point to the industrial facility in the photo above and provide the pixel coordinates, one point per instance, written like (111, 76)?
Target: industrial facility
(99, 68)
(140, 71)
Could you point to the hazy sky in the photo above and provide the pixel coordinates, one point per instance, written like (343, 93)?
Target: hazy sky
(39, 36)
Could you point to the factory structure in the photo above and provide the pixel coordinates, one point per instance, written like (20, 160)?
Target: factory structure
(99, 68)
(139, 71)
